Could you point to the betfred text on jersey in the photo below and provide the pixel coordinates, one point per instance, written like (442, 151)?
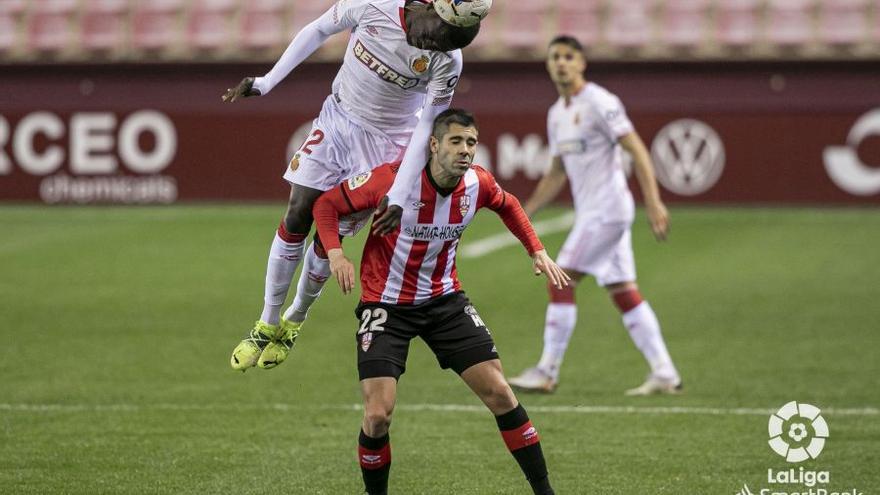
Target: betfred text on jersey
(381, 69)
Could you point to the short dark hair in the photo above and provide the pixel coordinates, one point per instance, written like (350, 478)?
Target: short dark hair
(569, 41)
(458, 37)
(452, 116)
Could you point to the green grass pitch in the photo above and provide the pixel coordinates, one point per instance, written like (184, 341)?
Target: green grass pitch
(116, 326)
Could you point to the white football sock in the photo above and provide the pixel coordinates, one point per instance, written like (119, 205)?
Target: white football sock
(284, 257)
(558, 327)
(314, 275)
(645, 332)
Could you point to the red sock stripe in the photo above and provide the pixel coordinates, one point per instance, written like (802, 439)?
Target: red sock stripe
(627, 300)
(287, 236)
(520, 437)
(374, 459)
(563, 295)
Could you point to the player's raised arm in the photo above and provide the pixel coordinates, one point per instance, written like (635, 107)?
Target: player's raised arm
(658, 216)
(342, 16)
(437, 100)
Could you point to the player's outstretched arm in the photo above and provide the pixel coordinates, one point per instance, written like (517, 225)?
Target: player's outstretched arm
(542, 263)
(658, 216)
(548, 187)
(307, 41)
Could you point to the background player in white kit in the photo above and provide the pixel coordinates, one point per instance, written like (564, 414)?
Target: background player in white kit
(584, 128)
(403, 57)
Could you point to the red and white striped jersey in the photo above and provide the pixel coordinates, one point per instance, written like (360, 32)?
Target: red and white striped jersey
(417, 261)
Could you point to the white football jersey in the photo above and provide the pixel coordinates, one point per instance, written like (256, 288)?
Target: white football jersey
(383, 80)
(585, 135)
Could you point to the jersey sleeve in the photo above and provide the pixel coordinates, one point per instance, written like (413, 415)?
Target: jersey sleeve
(613, 116)
(442, 85)
(346, 14)
(491, 195)
(510, 210)
(359, 193)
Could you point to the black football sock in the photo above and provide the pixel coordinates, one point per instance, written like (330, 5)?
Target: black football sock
(523, 442)
(374, 455)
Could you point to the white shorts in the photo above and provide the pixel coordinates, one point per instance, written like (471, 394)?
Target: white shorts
(603, 250)
(336, 149)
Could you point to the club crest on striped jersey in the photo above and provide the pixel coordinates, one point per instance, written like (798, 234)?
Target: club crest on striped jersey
(420, 64)
(464, 204)
(359, 180)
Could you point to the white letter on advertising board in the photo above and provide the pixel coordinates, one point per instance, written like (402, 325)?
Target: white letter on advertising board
(164, 133)
(91, 142)
(28, 159)
(532, 156)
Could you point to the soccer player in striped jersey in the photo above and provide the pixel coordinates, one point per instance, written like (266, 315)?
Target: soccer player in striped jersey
(410, 288)
(586, 128)
(400, 70)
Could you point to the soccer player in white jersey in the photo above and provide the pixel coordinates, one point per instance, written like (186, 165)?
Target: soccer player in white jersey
(410, 289)
(586, 129)
(399, 71)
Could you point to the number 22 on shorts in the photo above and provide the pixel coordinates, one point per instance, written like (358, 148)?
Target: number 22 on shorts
(372, 320)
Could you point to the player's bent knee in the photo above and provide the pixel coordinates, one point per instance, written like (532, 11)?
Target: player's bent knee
(500, 399)
(298, 217)
(626, 296)
(377, 421)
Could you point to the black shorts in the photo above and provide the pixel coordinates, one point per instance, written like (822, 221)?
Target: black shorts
(449, 325)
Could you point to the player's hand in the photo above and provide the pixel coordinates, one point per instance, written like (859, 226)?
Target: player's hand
(389, 218)
(658, 217)
(544, 264)
(342, 269)
(245, 89)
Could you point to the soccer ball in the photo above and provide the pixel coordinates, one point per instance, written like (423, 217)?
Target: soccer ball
(462, 13)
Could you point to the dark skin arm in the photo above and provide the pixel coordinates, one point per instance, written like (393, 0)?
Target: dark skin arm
(245, 89)
(389, 217)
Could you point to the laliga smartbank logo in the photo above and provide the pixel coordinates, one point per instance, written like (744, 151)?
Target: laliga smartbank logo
(797, 433)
